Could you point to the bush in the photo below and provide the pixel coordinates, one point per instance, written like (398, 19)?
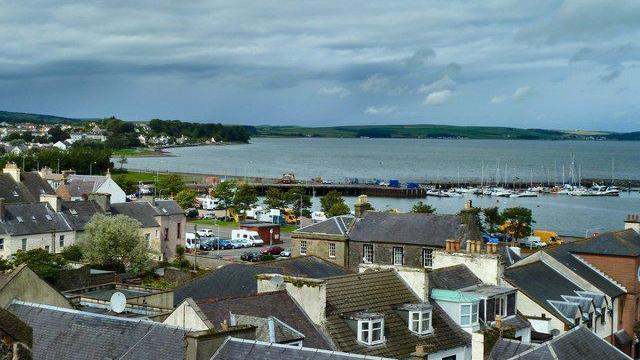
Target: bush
(42, 262)
(72, 253)
(267, 257)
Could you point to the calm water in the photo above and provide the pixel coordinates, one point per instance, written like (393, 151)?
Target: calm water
(406, 159)
(434, 160)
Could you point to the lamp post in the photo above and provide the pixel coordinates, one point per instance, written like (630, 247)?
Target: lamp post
(270, 237)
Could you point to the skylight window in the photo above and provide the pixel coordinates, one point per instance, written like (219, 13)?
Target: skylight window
(19, 218)
(48, 217)
(73, 212)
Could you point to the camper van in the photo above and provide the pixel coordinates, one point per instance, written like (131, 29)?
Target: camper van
(252, 236)
(208, 203)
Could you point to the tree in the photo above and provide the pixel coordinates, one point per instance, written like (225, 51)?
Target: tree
(225, 192)
(245, 197)
(57, 134)
(42, 262)
(122, 160)
(301, 203)
(330, 200)
(72, 253)
(339, 208)
(423, 208)
(274, 198)
(180, 250)
(115, 242)
(186, 198)
(492, 218)
(518, 222)
(128, 185)
(170, 184)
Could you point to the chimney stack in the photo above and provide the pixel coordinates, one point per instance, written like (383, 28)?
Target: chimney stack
(103, 200)
(632, 222)
(53, 200)
(1, 209)
(12, 169)
(420, 353)
(361, 205)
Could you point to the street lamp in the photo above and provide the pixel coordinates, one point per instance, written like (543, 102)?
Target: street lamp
(270, 237)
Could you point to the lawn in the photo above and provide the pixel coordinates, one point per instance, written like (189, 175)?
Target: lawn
(135, 152)
(233, 224)
(135, 176)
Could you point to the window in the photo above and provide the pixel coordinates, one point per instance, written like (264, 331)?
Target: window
(166, 234)
(367, 251)
(46, 248)
(371, 332)
(397, 256)
(147, 237)
(1, 244)
(590, 321)
(179, 230)
(451, 357)
(61, 241)
(427, 258)
(332, 250)
(468, 314)
(420, 322)
(603, 313)
(24, 244)
(303, 247)
(501, 306)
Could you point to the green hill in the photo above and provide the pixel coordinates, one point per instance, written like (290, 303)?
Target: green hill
(17, 117)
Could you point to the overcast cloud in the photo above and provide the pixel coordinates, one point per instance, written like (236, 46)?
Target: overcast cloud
(545, 64)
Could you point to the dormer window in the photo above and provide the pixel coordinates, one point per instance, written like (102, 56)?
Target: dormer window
(369, 327)
(371, 331)
(468, 314)
(420, 322)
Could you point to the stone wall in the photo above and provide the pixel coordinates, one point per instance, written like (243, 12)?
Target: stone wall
(383, 254)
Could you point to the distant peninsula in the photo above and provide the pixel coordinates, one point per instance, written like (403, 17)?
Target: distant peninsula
(428, 131)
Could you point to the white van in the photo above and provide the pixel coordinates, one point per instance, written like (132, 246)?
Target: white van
(252, 236)
(318, 216)
(190, 240)
(208, 203)
(205, 232)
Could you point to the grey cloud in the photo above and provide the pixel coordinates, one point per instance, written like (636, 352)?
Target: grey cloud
(420, 57)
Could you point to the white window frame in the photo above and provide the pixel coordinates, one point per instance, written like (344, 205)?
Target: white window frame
(501, 310)
(24, 244)
(425, 257)
(472, 313)
(332, 250)
(365, 336)
(398, 254)
(303, 247)
(368, 254)
(61, 241)
(417, 325)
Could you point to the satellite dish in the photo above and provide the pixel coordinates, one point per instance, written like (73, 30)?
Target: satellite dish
(118, 302)
(277, 280)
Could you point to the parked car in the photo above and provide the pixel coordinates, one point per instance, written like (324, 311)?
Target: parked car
(192, 213)
(204, 232)
(225, 244)
(273, 250)
(209, 216)
(236, 244)
(532, 242)
(286, 253)
(251, 256)
(245, 243)
(318, 216)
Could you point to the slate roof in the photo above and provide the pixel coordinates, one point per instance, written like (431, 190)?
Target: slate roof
(139, 210)
(14, 192)
(563, 255)
(84, 184)
(239, 279)
(168, 207)
(409, 228)
(15, 328)
(505, 349)
(337, 225)
(533, 280)
(453, 278)
(36, 218)
(509, 256)
(79, 213)
(70, 334)
(619, 243)
(277, 304)
(282, 332)
(578, 343)
(380, 292)
(240, 349)
(36, 185)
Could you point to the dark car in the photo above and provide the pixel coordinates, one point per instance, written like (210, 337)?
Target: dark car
(225, 244)
(274, 250)
(251, 256)
(192, 213)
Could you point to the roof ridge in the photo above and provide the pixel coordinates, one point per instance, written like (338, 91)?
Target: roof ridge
(215, 300)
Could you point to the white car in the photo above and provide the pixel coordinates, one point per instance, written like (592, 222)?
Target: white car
(318, 216)
(237, 243)
(286, 253)
(204, 232)
(533, 242)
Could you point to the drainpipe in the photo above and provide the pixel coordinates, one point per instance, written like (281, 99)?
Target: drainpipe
(612, 312)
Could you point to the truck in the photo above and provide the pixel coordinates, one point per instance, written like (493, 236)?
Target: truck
(251, 236)
(287, 179)
(548, 237)
(290, 217)
(272, 216)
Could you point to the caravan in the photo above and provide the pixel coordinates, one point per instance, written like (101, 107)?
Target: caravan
(247, 237)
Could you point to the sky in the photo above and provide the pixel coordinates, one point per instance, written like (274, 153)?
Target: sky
(533, 64)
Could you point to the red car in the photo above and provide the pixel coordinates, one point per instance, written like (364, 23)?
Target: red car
(274, 250)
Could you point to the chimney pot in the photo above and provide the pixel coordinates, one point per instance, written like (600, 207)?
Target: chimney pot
(224, 325)
(498, 321)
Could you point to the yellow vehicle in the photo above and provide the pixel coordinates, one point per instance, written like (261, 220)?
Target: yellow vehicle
(548, 237)
(290, 217)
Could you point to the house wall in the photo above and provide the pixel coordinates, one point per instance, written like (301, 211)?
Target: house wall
(528, 307)
(310, 294)
(487, 268)
(161, 300)
(416, 278)
(171, 224)
(153, 234)
(623, 269)
(383, 254)
(460, 353)
(117, 194)
(320, 248)
(27, 286)
(35, 241)
(185, 316)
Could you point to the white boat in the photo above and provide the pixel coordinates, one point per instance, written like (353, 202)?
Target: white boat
(524, 194)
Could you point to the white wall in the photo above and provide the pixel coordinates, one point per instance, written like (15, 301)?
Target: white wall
(486, 267)
(117, 194)
(530, 308)
(36, 241)
(460, 353)
(310, 294)
(185, 316)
